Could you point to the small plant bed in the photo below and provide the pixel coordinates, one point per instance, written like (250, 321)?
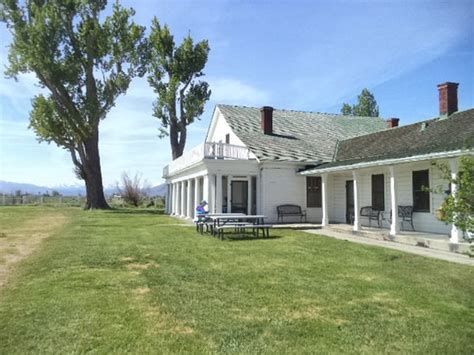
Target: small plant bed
(129, 281)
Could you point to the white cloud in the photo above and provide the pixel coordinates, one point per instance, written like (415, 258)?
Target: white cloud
(233, 91)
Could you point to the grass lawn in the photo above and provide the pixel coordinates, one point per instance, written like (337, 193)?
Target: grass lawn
(135, 281)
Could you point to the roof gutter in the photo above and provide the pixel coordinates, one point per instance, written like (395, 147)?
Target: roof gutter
(396, 161)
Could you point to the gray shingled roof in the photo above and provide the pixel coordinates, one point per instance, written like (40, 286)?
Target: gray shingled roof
(431, 136)
(308, 137)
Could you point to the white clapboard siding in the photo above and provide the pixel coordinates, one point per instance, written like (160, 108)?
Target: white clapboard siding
(281, 185)
(423, 221)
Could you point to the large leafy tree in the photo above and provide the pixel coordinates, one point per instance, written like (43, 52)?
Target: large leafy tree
(173, 73)
(366, 106)
(86, 61)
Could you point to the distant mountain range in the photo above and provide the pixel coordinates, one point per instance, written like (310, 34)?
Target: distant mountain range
(7, 187)
(158, 190)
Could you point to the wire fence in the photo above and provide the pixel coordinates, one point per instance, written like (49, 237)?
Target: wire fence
(12, 200)
(72, 201)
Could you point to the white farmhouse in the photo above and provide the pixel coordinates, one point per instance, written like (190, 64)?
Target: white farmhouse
(254, 160)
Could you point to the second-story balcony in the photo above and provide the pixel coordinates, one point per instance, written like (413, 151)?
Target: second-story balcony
(208, 150)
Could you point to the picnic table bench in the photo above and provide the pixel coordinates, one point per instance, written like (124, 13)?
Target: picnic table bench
(240, 228)
(290, 210)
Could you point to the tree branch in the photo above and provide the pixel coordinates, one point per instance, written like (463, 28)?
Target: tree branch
(61, 96)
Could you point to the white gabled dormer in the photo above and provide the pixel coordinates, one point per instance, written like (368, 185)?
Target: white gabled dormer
(221, 144)
(221, 132)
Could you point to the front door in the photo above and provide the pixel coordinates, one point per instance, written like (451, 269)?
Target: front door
(239, 196)
(349, 201)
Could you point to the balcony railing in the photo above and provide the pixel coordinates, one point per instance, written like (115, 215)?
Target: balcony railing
(225, 151)
(207, 151)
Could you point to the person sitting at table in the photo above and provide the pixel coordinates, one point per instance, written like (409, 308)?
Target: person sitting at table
(200, 213)
(201, 209)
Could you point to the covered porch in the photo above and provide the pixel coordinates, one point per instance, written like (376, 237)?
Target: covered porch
(346, 190)
(223, 175)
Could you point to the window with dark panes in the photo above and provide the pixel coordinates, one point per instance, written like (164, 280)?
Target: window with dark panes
(313, 191)
(378, 192)
(421, 196)
(227, 138)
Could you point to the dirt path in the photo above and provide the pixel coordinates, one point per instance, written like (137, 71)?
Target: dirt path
(23, 234)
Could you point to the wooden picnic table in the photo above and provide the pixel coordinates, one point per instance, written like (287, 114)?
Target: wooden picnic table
(238, 221)
(205, 218)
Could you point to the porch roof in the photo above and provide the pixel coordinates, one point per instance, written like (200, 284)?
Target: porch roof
(426, 139)
(298, 136)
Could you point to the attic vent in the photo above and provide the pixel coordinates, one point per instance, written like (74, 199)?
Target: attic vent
(423, 126)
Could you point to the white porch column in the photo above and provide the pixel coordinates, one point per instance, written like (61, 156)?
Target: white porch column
(395, 225)
(182, 210)
(177, 190)
(173, 200)
(249, 194)
(218, 193)
(170, 207)
(196, 194)
(189, 200)
(201, 189)
(229, 181)
(356, 226)
(456, 234)
(324, 195)
(205, 189)
(259, 192)
(167, 199)
(212, 193)
(170, 198)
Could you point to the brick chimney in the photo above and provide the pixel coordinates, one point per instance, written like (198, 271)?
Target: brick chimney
(266, 113)
(448, 99)
(392, 122)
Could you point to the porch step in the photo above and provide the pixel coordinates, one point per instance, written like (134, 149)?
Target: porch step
(423, 240)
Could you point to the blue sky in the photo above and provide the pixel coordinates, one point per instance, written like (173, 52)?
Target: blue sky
(301, 55)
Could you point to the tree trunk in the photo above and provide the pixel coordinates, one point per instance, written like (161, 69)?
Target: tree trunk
(176, 150)
(93, 174)
(177, 144)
